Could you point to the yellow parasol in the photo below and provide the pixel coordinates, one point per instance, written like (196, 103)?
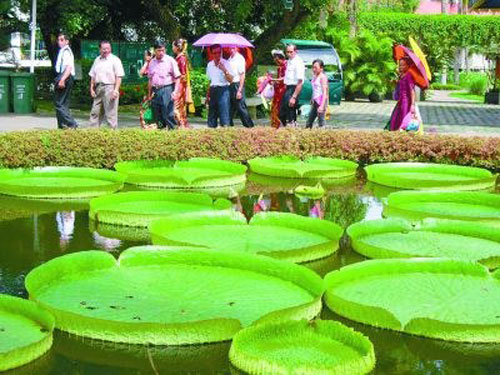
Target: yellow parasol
(420, 54)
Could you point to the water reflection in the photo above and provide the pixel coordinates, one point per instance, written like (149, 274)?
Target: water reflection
(34, 232)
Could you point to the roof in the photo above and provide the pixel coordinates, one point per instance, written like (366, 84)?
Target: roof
(308, 43)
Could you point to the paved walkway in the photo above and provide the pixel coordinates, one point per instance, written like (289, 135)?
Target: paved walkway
(441, 115)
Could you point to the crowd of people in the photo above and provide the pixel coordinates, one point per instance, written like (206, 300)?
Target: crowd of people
(169, 88)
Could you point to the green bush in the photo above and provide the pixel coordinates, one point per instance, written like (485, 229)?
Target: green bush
(199, 85)
(448, 86)
(133, 93)
(478, 86)
(103, 148)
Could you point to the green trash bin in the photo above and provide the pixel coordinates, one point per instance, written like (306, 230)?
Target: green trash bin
(23, 92)
(4, 91)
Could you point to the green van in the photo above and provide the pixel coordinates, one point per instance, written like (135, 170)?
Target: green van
(310, 50)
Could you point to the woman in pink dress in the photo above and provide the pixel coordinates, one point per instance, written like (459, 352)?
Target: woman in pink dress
(405, 95)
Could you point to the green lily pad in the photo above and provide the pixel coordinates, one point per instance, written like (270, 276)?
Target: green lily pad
(59, 182)
(314, 192)
(435, 238)
(292, 167)
(25, 332)
(442, 298)
(428, 176)
(138, 209)
(171, 296)
(195, 173)
(301, 347)
(279, 235)
(471, 206)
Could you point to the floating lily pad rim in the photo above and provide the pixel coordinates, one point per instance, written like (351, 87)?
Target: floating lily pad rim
(383, 318)
(324, 228)
(220, 329)
(358, 231)
(30, 352)
(62, 171)
(105, 202)
(330, 329)
(419, 167)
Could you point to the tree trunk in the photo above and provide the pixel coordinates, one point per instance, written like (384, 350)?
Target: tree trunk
(164, 17)
(268, 39)
(353, 18)
(459, 53)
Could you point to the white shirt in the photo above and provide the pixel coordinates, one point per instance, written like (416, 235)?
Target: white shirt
(295, 71)
(65, 58)
(106, 69)
(238, 66)
(216, 76)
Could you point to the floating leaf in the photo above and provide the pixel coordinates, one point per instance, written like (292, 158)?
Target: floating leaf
(428, 176)
(302, 347)
(472, 206)
(195, 173)
(138, 209)
(397, 238)
(279, 235)
(440, 298)
(171, 296)
(25, 332)
(59, 182)
(292, 167)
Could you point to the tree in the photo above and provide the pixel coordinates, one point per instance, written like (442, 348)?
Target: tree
(9, 23)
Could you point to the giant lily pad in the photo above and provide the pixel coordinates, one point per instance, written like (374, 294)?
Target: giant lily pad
(138, 209)
(292, 167)
(279, 235)
(59, 182)
(472, 206)
(447, 299)
(25, 332)
(301, 347)
(171, 296)
(397, 238)
(430, 176)
(196, 173)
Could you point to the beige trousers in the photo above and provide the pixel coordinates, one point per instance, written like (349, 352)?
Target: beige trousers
(104, 107)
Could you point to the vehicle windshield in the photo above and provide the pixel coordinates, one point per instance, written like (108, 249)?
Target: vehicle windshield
(327, 55)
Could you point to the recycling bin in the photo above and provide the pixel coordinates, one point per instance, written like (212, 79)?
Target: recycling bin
(23, 92)
(4, 91)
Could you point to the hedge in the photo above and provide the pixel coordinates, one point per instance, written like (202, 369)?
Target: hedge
(103, 148)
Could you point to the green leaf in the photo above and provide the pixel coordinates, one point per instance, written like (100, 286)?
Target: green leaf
(276, 234)
(195, 173)
(25, 332)
(397, 238)
(439, 298)
(59, 182)
(427, 176)
(292, 167)
(416, 205)
(138, 209)
(302, 347)
(178, 295)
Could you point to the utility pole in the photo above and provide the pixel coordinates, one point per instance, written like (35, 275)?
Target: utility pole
(33, 36)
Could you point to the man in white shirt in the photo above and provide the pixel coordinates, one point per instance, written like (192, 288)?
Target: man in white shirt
(65, 69)
(105, 79)
(220, 74)
(237, 88)
(294, 79)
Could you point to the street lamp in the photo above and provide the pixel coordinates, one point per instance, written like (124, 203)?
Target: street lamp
(33, 36)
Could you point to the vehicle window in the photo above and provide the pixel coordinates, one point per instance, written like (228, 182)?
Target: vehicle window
(327, 55)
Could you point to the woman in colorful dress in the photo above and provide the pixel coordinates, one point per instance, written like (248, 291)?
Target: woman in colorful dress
(184, 99)
(279, 87)
(404, 94)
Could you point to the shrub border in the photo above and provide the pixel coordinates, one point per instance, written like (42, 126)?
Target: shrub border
(103, 148)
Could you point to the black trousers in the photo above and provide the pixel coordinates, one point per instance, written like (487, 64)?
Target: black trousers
(240, 106)
(288, 114)
(61, 102)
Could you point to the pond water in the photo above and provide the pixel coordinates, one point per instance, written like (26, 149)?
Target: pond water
(33, 232)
